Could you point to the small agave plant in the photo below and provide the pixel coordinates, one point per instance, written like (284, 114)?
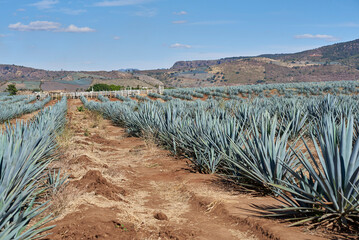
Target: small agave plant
(259, 156)
(325, 190)
(55, 181)
(296, 117)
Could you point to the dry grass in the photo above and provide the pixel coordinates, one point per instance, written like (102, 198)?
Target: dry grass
(60, 201)
(95, 118)
(242, 235)
(150, 141)
(65, 138)
(115, 173)
(213, 205)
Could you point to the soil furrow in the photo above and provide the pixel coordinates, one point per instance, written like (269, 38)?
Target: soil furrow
(124, 187)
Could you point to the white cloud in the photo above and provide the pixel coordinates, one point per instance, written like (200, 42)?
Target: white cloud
(349, 24)
(49, 6)
(21, 10)
(116, 38)
(35, 26)
(45, 4)
(316, 36)
(48, 26)
(69, 11)
(74, 29)
(215, 22)
(180, 13)
(119, 3)
(179, 45)
(179, 22)
(2, 35)
(149, 12)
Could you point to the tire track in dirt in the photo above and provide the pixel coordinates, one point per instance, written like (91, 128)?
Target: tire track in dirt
(124, 187)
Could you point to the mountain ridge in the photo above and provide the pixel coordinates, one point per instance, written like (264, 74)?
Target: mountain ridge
(339, 61)
(330, 52)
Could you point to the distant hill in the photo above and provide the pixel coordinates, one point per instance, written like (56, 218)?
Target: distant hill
(130, 70)
(329, 63)
(346, 53)
(32, 79)
(202, 63)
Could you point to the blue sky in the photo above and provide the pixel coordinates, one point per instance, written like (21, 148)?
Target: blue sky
(147, 34)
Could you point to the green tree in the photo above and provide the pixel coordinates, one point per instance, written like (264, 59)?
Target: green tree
(11, 88)
(105, 87)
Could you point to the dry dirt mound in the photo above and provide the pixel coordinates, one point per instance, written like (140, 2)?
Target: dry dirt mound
(93, 223)
(93, 181)
(83, 159)
(167, 232)
(106, 149)
(82, 142)
(101, 140)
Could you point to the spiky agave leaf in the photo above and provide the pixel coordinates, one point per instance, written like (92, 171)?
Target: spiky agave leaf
(294, 115)
(25, 151)
(103, 98)
(54, 180)
(10, 111)
(328, 186)
(258, 158)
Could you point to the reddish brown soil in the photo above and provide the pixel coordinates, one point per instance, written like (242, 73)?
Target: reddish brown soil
(128, 188)
(100, 223)
(93, 181)
(83, 160)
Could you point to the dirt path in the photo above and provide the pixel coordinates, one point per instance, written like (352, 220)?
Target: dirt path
(123, 187)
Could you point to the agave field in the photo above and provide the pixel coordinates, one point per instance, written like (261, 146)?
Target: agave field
(296, 142)
(27, 149)
(12, 107)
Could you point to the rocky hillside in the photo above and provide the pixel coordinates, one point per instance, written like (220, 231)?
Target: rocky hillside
(329, 63)
(202, 63)
(346, 53)
(35, 79)
(254, 71)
